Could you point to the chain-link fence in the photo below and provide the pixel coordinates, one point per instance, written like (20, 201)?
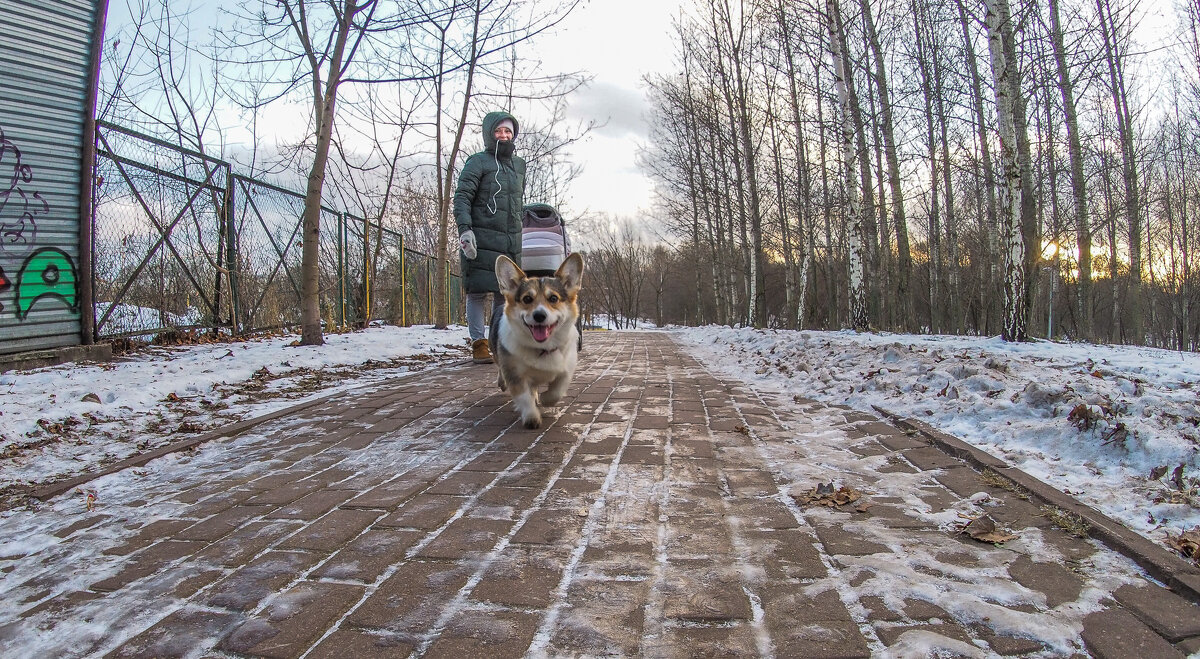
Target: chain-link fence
(182, 242)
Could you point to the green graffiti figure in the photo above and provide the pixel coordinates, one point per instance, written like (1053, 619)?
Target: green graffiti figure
(48, 272)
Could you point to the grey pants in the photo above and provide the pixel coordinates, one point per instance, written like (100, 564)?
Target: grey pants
(477, 313)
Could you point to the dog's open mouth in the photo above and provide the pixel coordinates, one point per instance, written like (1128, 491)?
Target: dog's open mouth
(540, 332)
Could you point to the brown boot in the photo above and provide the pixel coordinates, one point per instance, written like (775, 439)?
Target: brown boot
(480, 353)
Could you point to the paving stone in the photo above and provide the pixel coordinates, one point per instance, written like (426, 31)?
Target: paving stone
(547, 453)
(648, 455)
(191, 577)
(1016, 513)
(367, 556)
(387, 496)
(1056, 582)
(838, 540)
(897, 518)
(246, 542)
(424, 511)
(605, 619)
(516, 499)
(284, 494)
(701, 591)
(150, 534)
(91, 520)
(763, 514)
(928, 458)
(896, 442)
(534, 475)
(965, 482)
(463, 483)
(176, 635)
(804, 625)
(650, 422)
(1167, 613)
(525, 580)
(891, 634)
(869, 448)
(466, 537)
(411, 599)
(473, 633)
(147, 562)
(553, 526)
(878, 611)
(1117, 634)
(1010, 646)
(924, 611)
(331, 531)
(293, 620)
(692, 448)
(749, 483)
(603, 446)
(57, 606)
(362, 644)
(246, 587)
(492, 461)
(696, 536)
(627, 554)
(221, 524)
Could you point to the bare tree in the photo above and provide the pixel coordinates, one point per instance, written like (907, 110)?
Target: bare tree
(1004, 73)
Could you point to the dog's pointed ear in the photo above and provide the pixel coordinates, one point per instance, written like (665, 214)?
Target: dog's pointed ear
(571, 272)
(508, 275)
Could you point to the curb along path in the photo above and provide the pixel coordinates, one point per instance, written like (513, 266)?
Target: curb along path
(656, 514)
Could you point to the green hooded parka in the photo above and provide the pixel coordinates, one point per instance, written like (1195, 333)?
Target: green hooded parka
(489, 201)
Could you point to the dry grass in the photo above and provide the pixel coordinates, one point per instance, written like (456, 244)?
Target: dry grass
(1067, 521)
(990, 477)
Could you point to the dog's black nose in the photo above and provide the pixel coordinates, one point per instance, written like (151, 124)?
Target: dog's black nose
(539, 316)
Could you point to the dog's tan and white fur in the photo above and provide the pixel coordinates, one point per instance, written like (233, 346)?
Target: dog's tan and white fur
(535, 341)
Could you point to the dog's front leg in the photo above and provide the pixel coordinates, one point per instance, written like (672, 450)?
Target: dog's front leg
(525, 402)
(558, 387)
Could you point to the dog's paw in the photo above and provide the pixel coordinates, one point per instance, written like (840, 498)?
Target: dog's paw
(533, 422)
(550, 401)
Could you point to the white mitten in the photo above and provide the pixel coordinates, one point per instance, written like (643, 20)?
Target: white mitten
(466, 242)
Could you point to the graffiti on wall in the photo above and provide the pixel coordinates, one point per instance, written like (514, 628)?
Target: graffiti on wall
(19, 207)
(47, 272)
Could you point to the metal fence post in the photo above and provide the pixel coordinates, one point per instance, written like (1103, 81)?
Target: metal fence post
(341, 274)
(403, 287)
(232, 251)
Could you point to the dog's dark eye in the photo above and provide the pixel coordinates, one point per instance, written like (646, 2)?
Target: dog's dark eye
(528, 299)
(553, 299)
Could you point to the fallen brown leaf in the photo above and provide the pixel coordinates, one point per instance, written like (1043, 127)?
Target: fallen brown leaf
(825, 495)
(984, 529)
(1186, 543)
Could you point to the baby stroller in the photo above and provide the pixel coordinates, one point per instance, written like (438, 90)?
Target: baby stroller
(545, 245)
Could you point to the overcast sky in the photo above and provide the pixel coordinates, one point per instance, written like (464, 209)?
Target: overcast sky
(618, 42)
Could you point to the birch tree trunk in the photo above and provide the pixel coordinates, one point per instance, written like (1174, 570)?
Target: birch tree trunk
(1004, 73)
(854, 223)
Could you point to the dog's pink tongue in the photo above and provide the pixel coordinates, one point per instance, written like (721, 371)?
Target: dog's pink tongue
(540, 332)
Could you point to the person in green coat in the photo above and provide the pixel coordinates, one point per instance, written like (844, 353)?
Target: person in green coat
(487, 210)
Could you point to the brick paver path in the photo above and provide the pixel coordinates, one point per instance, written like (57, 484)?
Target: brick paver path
(656, 514)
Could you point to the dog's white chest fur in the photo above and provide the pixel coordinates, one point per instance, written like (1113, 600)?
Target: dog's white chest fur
(540, 363)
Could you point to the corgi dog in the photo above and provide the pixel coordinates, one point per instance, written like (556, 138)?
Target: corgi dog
(535, 341)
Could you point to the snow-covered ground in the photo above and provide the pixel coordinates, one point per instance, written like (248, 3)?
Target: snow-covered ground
(71, 419)
(1118, 427)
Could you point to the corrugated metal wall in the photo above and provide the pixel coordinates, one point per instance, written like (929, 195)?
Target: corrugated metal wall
(45, 58)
